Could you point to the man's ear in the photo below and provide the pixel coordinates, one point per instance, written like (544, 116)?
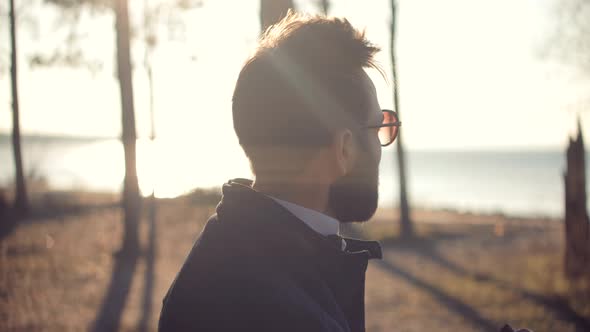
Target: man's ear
(345, 151)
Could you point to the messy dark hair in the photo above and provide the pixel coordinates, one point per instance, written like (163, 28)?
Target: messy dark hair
(302, 83)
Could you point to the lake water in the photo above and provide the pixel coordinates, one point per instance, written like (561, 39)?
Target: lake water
(524, 183)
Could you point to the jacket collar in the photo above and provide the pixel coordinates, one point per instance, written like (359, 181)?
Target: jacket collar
(249, 209)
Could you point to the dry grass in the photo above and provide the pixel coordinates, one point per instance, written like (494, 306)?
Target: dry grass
(473, 274)
(462, 272)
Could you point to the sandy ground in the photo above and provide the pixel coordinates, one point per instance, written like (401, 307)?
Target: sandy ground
(462, 272)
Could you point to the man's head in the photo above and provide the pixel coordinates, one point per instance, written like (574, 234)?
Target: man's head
(301, 107)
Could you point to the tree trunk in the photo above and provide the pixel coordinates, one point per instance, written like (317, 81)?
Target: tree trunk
(131, 197)
(21, 202)
(272, 11)
(325, 7)
(577, 227)
(406, 226)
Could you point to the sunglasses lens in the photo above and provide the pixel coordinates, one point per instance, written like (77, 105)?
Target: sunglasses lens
(388, 133)
(385, 134)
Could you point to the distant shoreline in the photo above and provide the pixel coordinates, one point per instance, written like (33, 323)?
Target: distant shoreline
(54, 138)
(35, 137)
(81, 198)
(517, 183)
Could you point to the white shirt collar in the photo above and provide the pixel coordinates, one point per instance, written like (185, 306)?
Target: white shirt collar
(317, 221)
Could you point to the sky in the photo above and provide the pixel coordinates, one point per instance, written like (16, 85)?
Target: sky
(472, 74)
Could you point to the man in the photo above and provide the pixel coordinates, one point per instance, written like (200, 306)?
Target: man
(270, 259)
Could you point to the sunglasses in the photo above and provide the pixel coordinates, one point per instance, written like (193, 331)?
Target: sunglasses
(389, 128)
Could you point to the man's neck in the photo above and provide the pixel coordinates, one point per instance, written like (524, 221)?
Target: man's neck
(311, 196)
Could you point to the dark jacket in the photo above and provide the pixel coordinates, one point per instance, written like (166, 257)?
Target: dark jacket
(256, 267)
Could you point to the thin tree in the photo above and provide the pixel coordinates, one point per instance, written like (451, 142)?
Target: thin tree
(109, 315)
(272, 11)
(131, 196)
(150, 250)
(325, 6)
(569, 44)
(577, 227)
(406, 225)
(21, 202)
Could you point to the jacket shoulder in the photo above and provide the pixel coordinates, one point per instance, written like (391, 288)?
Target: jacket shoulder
(243, 302)
(227, 285)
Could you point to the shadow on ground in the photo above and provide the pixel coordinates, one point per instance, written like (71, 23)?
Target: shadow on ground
(426, 247)
(110, 314)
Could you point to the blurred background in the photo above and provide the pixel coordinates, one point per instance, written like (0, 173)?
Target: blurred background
(112, 158)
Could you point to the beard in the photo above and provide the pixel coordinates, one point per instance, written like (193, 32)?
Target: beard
(354, 197)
